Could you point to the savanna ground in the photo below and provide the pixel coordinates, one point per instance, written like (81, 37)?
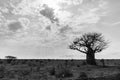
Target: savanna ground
(19, 69)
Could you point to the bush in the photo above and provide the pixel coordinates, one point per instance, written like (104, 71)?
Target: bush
(83, 76)
(52, 71)
(10, 74)
(78, 65)
(84, 63)
(64, 73)
(2, 71)
(1, 62)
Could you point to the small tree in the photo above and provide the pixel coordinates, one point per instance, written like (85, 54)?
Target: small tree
(89, 43)
(10, 57)
(103, 62)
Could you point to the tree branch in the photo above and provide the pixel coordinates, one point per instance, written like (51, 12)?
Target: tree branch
(75, 48)
(94, 42)
(80, 50)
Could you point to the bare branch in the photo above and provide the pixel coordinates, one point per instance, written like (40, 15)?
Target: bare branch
(76, 48)
(94, 42)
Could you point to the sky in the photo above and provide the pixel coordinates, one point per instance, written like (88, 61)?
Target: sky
(42, 29)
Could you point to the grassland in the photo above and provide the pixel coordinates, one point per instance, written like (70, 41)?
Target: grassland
(36, 69)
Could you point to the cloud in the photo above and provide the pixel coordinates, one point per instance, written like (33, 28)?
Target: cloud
(23, 29)
(116, 23)
(85, 14)
(14, 26)
(112, 24)
(72, 2)
(49, 13)
(37, 28)
(24, 21)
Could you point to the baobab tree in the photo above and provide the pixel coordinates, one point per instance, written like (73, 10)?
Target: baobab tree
(90, 43)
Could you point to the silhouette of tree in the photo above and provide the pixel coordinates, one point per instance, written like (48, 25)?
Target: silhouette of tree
(89, 43)
(10, 57)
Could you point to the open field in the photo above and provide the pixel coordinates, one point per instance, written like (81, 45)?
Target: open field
(58, 70)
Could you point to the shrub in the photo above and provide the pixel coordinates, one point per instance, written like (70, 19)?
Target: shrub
(1, 62)
(78, 65)
(64, 73)
(84, 63)
(31, 63)
(2, 71)
(10, 74)
(52, 71)
(83, 76)
(23, 73)
(103, 62)
(14, 62)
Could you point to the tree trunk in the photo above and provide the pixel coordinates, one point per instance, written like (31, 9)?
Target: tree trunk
(90, 58)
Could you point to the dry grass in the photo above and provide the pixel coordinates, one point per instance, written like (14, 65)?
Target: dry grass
(57, 70)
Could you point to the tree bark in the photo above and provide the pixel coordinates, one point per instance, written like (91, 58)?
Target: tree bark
(90, 58)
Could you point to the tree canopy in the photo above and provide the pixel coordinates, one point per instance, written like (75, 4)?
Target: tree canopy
(92, 41)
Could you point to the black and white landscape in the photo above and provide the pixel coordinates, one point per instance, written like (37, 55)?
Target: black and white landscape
(59, 40)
